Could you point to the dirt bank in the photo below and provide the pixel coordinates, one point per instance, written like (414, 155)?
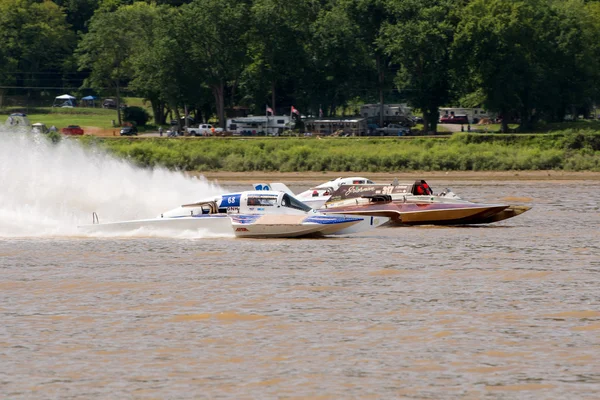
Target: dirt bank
(318, 177)
(95, 131)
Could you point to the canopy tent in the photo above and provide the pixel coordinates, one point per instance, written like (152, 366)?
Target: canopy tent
(65, 100)
(89, 101)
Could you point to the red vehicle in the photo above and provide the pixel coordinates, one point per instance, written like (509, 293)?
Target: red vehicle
(454, 119)
(72, 130)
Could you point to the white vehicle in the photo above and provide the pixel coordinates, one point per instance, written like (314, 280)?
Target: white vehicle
(244, 214)
(474, 115)
(392, 130)
(203, 130)
(389, 110)
(39, 127)
(248, 126)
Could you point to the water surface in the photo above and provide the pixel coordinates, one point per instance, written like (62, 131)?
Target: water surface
(510, 310)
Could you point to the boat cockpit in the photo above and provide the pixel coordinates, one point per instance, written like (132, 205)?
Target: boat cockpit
(251, 202)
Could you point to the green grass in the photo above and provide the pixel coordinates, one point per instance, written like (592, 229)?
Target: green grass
(580, 124)
(568, 150)
(76, 116)
(82, 116)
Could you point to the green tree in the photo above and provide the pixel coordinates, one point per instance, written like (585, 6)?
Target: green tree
(593, 12)
(419, 40)
(78, 12)
(341, 62)
(532, 58)
(370, 16)
(571, 71)
(215, 39)
(36, 42)
(155, 57)
(104, 52)
(278, 29)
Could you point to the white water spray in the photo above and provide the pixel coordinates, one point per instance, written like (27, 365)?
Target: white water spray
(49, 189)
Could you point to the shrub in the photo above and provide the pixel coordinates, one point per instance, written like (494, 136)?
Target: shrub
(138, 115)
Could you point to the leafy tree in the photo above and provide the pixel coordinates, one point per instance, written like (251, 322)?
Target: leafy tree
(340, 61)
(214, 36)
(278, 30)
(370, 17)
(104, 51)
(136, 114)
(531, 57)
(572, 63)
(156, 67)
(36, 42)
(78, 12)
(419, 40)
(593, 15)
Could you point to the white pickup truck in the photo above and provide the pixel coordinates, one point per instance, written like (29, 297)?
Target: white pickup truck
(203, 130)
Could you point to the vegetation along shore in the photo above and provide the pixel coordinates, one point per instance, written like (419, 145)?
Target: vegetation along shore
(560, 151)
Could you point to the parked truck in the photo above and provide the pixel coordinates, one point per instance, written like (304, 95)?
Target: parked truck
(203, 130)
(392, 130)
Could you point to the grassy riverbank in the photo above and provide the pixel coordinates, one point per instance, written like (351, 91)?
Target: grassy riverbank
(563, 151)
(91, 119)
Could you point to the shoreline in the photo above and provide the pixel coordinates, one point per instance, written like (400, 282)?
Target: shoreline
(319, 177)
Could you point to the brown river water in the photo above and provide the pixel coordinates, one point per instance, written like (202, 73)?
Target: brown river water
(505, 311)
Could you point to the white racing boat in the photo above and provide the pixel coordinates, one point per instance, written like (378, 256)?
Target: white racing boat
(245, 214)
(316, 196)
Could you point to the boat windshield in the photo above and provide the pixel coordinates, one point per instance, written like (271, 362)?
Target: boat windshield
(289, 201)
(262, 200)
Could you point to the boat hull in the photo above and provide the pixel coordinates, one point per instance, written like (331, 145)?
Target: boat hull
(217, 225)
(405, 206)
(424, 214)
(275, 226)
(248, 226)
(509, 212)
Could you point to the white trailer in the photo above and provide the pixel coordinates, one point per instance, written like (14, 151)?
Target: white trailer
(389, 110)
(257, 125)
(473, 114)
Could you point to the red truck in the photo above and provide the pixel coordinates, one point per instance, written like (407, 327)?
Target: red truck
(72, 130)
(454, 119)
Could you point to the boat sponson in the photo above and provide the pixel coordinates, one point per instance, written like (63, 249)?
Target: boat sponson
(509, 212)
(424, 213)
(291, 225)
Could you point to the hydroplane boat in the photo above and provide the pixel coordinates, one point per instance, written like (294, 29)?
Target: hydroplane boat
(404, 203)
(267, 214)
(317, 196)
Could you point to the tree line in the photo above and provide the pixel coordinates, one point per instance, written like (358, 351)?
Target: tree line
(523, 59)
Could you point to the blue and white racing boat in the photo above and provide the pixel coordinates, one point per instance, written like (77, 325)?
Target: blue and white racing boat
(245, 214)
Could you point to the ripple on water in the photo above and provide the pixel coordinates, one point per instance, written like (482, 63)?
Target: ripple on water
(506, 311)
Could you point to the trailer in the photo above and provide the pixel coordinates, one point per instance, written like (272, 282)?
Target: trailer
(474, 115)
(337, 127)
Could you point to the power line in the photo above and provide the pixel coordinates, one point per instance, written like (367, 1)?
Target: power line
(38, 87)
(59, 88)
